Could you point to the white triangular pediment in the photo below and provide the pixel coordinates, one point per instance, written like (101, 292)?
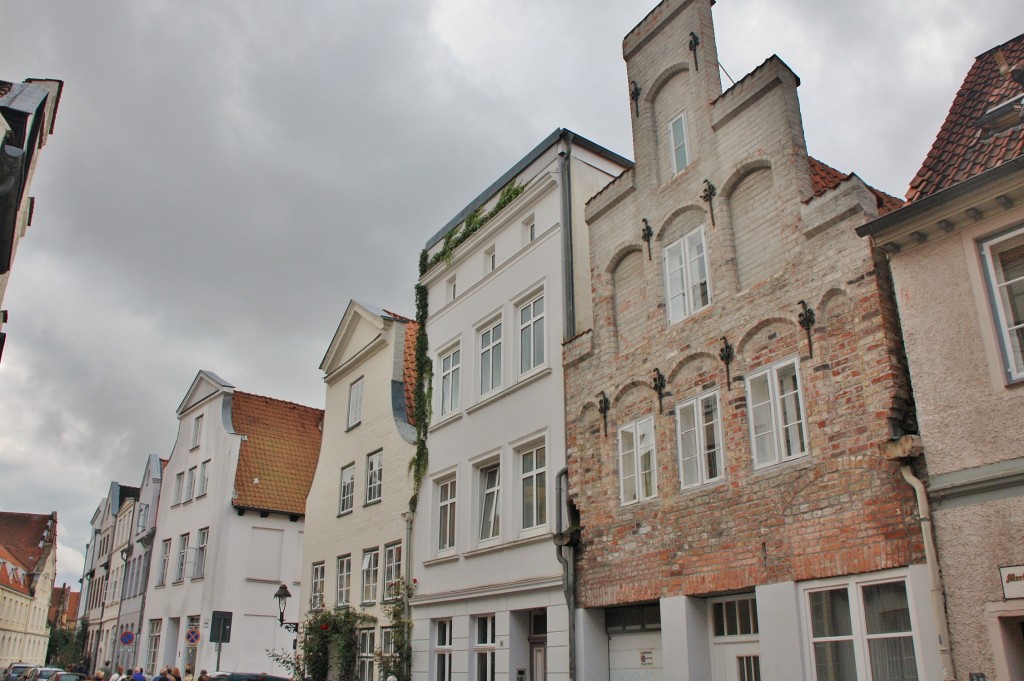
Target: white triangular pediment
(205, 385)
(361, 326)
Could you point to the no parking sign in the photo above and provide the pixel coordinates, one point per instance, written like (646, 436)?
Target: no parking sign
(192, 637)
(127, 638)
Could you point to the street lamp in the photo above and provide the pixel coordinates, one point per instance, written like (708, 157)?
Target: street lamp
(282, 597)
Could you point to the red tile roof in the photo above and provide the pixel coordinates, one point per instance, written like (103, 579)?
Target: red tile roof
(278, 453)
(22, 533)
(409, 371)
(963, 149)
(824, 178)
(8, 563)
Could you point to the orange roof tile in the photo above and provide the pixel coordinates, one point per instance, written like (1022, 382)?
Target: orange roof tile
(8, 563)
(824, 178)
(963, 149)
(409, 371)
(22, 533)
(278, 453)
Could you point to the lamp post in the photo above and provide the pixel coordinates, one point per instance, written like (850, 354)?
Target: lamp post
(282, 597)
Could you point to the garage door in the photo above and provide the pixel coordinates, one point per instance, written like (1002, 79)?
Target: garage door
(635, 656)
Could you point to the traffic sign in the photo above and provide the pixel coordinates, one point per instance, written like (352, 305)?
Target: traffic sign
(192, 637)
(127, 638)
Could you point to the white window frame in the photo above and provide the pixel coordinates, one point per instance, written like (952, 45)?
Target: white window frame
(365, 656)
(773, 413)
(370, 575)
(1012, 350)
(153, 652)
(674, 144)
(392, 571)
(165, 562)
(347, 490)
(490, 501)
(179, 571)
(449, 365)
(204, 478)
(450, 289)
(484, 647)
(179, 487)
(632, 469)
(343, 593)
(190, 484)
(687, 279)
(490, 356)
(447, 518)
(693, 432)
(202, 540)
(316, 589)
(490, 260)
(374, 476)
(355, 403)
(140, 527)
(443, 650)
(533, 476)
(197, 431)
(858, 621)
(532, 356)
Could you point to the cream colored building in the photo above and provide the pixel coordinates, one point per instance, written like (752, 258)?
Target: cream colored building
(28, 565)
(355, 547)
(957, 256)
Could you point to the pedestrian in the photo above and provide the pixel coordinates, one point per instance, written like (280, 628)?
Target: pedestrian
(118, 675)
(203, 676)
(188, 674)
(176, 673)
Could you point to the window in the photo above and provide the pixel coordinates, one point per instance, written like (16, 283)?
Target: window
(529, 230)
(371, 561)
(201, 541)
(861, 632)
(449, 289)
(316, 591)
(165, 559)
(346, 498)
(531, 335)
(686, 276)
(490, 513)
(143, 518)
(490, 359)
(179, 573)
(637, 476)
(197, 431)
(179, 486)
(734, 616)
(392, 571)
(446, 515)
(699, 429)
(677, 134)
(450, 382)
(153, 649)
(533, 477)
(1004, 262)
(364, 661)
(387, 640)
(190, 484)
(776, 414)
(204, 477)
(643, 617)
(374, 476)
(490, 260)
(344, 580)
(484, 648)
(443, 650)
(355, 402)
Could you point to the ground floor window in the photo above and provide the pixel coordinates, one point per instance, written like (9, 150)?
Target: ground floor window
(153, 649)
(365, 658)
(484, 648)
(443, 650)
(862, 631)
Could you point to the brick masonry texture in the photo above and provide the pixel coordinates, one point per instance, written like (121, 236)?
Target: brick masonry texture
(842, 509)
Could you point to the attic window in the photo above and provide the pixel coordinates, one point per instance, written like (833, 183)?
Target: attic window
(1002, 117)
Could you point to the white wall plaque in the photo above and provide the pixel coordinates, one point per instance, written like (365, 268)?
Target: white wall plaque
(1012, 578)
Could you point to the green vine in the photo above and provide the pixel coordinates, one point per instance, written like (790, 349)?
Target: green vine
(398, 662)
(329, 636)
(421, 395)
(473, 222)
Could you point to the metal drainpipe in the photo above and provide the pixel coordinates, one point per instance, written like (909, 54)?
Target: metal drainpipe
(564, 163)
(407, 558)
(568, 572)
(938, 608)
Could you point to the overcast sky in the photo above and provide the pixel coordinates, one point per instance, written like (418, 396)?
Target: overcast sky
(224, 176)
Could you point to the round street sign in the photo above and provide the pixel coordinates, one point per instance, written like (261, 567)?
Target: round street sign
(127, 638)
(192, 637)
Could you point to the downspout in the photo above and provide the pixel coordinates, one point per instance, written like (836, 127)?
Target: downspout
(408, 516)
(564, 170)
(938, 607)
(563, 541)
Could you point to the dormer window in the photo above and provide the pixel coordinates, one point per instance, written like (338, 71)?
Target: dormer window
(677, 137)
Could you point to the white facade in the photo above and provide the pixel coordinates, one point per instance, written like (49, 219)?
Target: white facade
(209, 555)
(490, 593)
(355, 541)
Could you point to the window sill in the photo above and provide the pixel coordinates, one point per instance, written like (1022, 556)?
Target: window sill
(193, 448)
(186, 502)
(527, 379)
(515, 543)
(197, 579)
(178, 581)
(371, 503)
(439, 560)
(354, 425)
(782, 465)
(200, 496)
(704, 486)
(450, 417)
(347, 512)
(636, 502)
